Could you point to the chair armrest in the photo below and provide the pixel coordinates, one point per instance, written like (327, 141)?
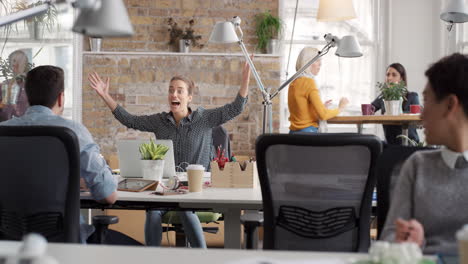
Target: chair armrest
(252, 219)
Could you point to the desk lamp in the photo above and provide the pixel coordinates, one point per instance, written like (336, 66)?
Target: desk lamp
(225, 32)
(455, 12)
(97, 18)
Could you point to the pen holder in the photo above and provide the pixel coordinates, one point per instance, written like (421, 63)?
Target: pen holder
(232, 176)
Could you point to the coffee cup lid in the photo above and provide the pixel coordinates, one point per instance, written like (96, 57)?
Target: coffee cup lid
(195, 167)
(462, 234)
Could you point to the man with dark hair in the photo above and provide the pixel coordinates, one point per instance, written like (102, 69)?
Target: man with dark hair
(429, 200)
(45, 90)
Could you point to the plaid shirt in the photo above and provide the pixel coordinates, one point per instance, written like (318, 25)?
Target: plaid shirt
(192, 139)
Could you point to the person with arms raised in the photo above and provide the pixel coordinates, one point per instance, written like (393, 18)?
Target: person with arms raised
(190, 131)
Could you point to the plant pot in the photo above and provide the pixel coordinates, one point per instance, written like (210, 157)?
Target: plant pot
(152, 169)
(393, 107)
(35, 30)
(272, 46)
(95, 44)
(184, 45)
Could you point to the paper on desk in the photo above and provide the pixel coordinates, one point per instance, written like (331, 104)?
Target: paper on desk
(296, 261)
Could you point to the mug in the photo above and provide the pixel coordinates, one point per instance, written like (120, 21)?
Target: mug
(367, 109)
(462, 239)
(415, 109)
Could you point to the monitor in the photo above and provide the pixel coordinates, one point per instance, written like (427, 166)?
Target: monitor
(129, 157)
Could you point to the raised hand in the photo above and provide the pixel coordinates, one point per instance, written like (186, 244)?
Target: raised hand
(246, 71)
(244, 90)
(101, 87)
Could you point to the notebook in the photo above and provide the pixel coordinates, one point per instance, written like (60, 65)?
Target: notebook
(129, 158)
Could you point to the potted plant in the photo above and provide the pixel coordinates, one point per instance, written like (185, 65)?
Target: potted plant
(267, 28)
(181, 39)
(152, 160)
(393, 94)
(36, 24)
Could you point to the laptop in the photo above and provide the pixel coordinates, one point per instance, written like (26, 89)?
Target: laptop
(129, 157)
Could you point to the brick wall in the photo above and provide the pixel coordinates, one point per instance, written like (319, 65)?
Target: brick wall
(149, 19)
(140, 70)
(140, 84)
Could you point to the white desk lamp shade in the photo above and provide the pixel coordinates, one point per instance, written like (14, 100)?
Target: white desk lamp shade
(224, 32)
(111, 20)
(348, 47)
(335, 10)
(455, 12)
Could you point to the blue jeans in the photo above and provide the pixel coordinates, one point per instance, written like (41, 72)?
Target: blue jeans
(192, 228)
(310, 129)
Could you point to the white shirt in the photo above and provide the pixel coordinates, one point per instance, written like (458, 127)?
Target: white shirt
(450, 157)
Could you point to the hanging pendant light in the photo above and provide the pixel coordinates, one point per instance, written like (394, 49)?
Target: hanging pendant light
(335, 10)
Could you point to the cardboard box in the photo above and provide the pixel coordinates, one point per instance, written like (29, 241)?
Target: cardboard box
(232, 176)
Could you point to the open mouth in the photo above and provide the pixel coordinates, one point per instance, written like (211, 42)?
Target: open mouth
(175, 103)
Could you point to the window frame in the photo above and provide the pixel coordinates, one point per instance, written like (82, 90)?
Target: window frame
(378, 62)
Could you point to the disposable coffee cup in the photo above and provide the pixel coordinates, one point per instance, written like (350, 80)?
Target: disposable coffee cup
(195, 174)
(462, 238)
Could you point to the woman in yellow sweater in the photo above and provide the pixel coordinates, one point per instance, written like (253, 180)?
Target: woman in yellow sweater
(305, 105)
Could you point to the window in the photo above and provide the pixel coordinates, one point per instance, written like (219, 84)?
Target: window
(42, 43)
(339, 77)
(462, 38)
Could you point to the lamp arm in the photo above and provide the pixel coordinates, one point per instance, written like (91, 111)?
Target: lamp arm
(254, 71)
(24, 14)
(301, 70)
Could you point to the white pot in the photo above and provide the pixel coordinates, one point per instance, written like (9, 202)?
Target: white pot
(393, 107)
(272, 46)
(35, 30)
(152, 169)
(184, 45)
(95, 44)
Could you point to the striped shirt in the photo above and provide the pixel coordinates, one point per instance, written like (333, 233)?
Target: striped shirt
(192, 139)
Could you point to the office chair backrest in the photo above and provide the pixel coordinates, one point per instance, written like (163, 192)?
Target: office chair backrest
(317, 190)
(39, 189)
(388, 169)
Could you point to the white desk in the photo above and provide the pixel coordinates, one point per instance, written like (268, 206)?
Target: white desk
(79, 254)
(228, 201)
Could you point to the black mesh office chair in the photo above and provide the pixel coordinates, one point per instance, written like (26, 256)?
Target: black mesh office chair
(39, 190)
(317, 190)
(388, 169)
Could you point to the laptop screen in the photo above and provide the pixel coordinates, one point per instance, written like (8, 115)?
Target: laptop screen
(129, 157)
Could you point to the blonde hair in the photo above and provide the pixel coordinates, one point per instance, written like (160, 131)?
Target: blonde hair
(19, 61)
(307, 53)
